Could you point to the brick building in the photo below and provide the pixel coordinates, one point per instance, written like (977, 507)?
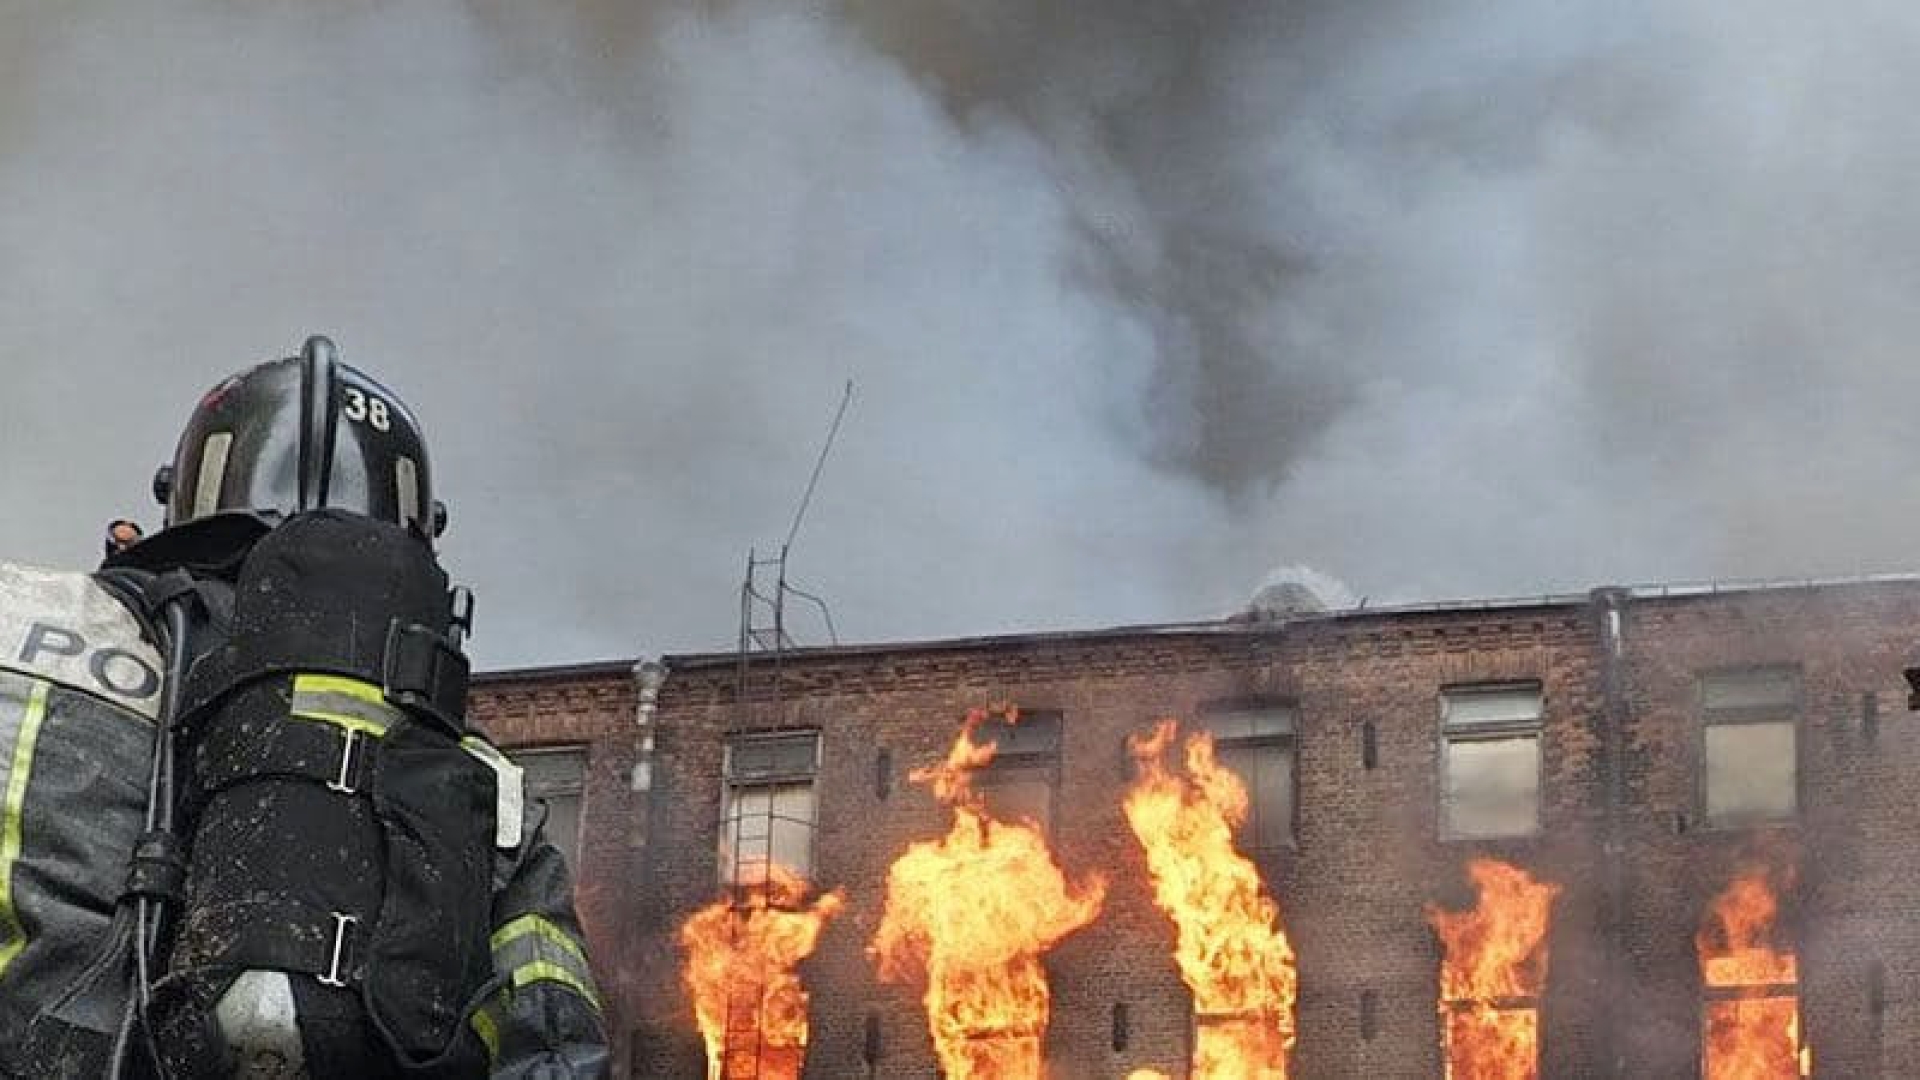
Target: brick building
(1634, 746)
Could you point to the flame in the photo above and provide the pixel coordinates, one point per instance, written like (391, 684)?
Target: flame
(972, 913)
(1494, 971)
(1231, 950)
(740, 973)
(1751, 1030)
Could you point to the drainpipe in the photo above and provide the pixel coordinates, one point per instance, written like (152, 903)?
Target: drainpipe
(649, 675)
(1610, 606)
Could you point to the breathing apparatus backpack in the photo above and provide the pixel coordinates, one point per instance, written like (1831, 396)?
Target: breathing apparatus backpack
(338, 834)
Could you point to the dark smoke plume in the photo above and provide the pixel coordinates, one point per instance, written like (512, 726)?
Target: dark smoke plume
(1141, 299)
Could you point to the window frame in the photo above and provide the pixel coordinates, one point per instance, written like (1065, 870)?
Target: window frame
(1494, 731)
(1711, 995)
(1790, 712)
(725, 839)
(1046, 763)
(1287, 741)
(584, 751)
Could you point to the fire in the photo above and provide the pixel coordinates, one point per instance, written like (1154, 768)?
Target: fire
(1751, 1027)
(1493, 974)
(1231, 950)
(740, 972)
(972, 913)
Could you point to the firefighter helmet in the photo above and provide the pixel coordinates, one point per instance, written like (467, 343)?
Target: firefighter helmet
(302, 433)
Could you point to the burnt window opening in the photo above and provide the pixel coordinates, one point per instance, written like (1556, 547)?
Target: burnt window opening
(1369, 1015)
(767, 806)
(1369, 745)
(557, 776)
(1122, 1033)
(1490, 760)
(1750, 1022)
(1473, 1032)
(1018, 784)
(1258, 746)
(870, 1041)
(1749, 745)
(1869, 717)
(1749, 984)
(882, 774)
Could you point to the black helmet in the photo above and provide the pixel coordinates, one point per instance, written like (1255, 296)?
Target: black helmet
(300, 434)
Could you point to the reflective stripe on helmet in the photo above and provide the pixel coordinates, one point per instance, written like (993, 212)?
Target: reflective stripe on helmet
(213, 473)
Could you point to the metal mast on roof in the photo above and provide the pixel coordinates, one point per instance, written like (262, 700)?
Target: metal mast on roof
(763, 610)
(764, 637)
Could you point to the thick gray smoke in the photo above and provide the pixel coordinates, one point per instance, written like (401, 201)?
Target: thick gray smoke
(1141, 299)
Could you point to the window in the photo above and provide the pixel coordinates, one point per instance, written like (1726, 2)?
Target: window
(766, 810)
(1749, 744)
(1749, 982)
(1490, 768)
(1018, 784)
(557, 776)
(1257, 746)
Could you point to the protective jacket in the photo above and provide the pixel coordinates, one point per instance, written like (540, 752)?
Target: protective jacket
(80, 689)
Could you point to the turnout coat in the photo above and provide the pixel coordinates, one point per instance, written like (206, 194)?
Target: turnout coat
(80, 691)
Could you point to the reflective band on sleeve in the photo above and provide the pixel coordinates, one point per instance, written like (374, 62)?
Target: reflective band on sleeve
(541, 971)
(543, 927)
(342, 702)
(532, 949)
(20, 766)
(485, 1026)
(509, 791)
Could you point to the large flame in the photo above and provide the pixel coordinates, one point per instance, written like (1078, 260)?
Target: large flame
(1231, 951)
(1751, 1030)
(740, 973)
(972, 913)
(1493, 974)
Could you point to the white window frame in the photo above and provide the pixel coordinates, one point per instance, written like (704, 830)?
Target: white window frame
(1494, 727)
(732, 785)
(1260, 726)
(1752, 696)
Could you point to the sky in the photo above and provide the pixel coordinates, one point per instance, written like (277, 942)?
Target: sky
(1140, 301)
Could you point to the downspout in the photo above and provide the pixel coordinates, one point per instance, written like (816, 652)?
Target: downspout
(649, 675)
(1610, 606)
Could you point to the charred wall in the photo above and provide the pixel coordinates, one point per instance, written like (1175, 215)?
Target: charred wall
(1621, 822)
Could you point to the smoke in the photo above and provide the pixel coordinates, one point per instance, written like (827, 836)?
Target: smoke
(1443, 299)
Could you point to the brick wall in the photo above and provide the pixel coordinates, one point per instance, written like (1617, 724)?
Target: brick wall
(1623, 994)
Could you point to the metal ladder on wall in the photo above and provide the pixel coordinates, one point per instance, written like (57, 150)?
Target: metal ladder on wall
(763, 642)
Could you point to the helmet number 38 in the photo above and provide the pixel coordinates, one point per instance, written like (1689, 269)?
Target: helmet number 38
(365, 408)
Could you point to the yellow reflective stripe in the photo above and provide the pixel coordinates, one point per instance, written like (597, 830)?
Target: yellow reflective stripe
(352, 723)
(489, 1032)
(10, 814)
(348, 704)
(543, 971)
(535, 924)
(339, 684)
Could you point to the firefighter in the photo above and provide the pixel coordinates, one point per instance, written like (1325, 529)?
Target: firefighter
(244, 828)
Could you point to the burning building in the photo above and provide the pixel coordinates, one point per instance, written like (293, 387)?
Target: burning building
(1631, 754)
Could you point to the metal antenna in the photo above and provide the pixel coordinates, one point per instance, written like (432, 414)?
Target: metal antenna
(846, 397)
